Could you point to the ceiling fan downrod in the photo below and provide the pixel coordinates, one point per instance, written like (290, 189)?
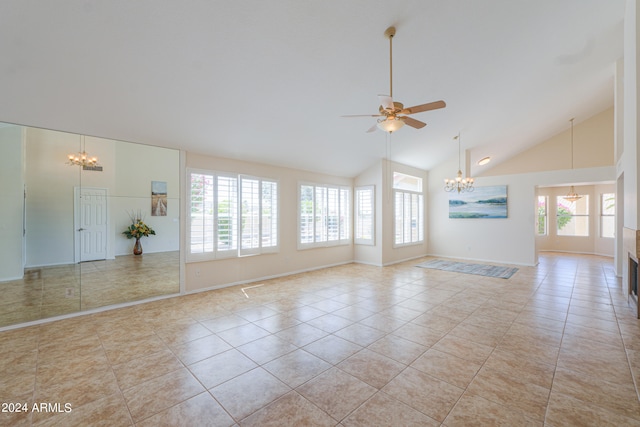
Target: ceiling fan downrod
(389, 33)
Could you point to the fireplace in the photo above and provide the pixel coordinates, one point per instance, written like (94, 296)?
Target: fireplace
(633, 278)
(631, 245)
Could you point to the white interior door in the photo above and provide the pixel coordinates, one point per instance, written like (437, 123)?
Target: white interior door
(90, 224)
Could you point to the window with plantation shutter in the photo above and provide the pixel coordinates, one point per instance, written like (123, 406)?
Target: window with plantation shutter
(408, 209)
(226, 213)
(324, 215)
(364, 219)
(231, 215)
(259, 215)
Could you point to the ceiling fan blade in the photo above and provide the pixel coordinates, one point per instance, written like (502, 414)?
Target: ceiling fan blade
(363, 115)
(424, 107)
(386, 102)
(413, 122)
(372, 128)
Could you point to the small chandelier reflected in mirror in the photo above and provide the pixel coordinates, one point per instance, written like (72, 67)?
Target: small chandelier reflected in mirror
(572, 196)
(459, 183)
(82, 158)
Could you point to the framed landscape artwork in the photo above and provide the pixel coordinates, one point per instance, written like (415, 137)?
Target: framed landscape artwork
(483, 202)
(158, 198)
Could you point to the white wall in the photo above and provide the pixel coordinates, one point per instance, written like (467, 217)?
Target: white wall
(630, 160)
(128, 170)
(384, 251)
(289, 259)
(11, 202)
(137, 166)
(510, 240)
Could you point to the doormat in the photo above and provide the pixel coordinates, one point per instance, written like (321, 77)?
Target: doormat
(463, 267)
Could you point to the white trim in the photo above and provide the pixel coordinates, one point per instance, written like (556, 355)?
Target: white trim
(356, 211)
(237, 251)
(77, 216)
(258, 279)
(348, 224)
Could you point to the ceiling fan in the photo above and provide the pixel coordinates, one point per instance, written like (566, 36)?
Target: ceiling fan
(392, 114)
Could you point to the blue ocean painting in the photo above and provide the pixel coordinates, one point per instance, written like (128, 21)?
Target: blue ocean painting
(483, 202)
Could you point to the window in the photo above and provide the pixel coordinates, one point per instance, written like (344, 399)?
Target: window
(408, 209)
(573, 217)
(541, 218)
(231, 215)
(324, 215)
(364, 215)
(607, 215)
(259, 215)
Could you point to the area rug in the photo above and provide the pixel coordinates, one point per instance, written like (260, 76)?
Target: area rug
(463, 267)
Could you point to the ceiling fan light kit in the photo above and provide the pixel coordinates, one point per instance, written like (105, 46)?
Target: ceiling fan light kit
(390, 125)
(392, 114)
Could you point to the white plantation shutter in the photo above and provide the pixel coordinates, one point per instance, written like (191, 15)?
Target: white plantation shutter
(250, 216)
(231, 215)
(364, 216)
(201, 219)
(259, 215)
(306, 227)
(333, 214)
(269, 214)
(324, 215)
(320, 218)
(227, 214)
(408, 209)
(345, 214)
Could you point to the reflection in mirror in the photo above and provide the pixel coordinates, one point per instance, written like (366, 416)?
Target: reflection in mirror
(62, 247)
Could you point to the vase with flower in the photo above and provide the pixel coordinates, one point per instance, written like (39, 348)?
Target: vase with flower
(137, 230)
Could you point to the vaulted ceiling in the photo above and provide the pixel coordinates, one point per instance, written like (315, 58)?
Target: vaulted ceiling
(268, 81)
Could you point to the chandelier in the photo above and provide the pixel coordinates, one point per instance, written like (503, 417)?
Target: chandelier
(572, 196)
(459, 183)
(82, 158)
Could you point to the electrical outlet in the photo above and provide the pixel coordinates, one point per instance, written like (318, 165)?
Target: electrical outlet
(69, 292)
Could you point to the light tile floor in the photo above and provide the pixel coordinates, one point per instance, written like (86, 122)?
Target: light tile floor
(62, 289)
(355, 345)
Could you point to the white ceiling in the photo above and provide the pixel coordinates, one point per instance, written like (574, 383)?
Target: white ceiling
(268, 80)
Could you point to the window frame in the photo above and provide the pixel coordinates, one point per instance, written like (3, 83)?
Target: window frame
(545, 215)
(321, 238)
(236, 217)
(573, 216)
(604, 215)
(360, 228)
(409, 199)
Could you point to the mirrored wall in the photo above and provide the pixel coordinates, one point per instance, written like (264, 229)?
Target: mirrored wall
(62, 247)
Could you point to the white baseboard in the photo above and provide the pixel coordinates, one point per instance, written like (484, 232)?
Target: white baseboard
(258, 279)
